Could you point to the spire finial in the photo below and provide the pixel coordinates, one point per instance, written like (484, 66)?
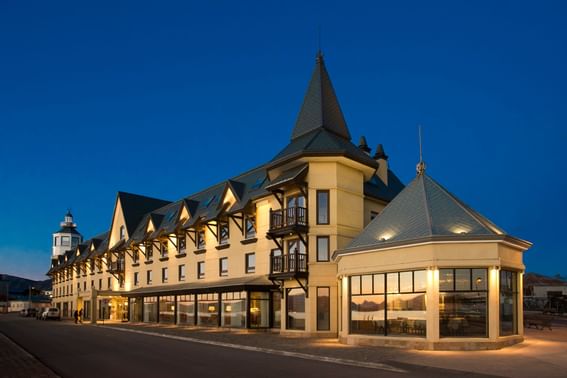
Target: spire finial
(319, 50)
(420, 168)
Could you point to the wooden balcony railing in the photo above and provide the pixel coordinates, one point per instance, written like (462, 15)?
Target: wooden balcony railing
(288, 263)
(116, 266)
(288, 217)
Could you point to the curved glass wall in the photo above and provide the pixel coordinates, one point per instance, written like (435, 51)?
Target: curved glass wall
(388, 304)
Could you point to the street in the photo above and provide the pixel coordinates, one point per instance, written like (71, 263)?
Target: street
(90, 351)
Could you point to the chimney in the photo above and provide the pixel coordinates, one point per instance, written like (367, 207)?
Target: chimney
(363, 145)
(382, 159)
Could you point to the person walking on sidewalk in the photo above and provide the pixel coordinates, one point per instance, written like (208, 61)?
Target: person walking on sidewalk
(81, 316)
(76, 316)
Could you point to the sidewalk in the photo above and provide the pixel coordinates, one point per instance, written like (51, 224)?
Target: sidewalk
(542, 354)
(17, 363)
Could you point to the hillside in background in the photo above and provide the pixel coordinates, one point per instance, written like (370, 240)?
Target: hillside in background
(21, 286)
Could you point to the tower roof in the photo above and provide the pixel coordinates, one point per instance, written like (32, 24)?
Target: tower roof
(425, 211)
(320, 107)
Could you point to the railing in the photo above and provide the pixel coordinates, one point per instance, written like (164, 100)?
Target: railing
(289, 263)
(291, 216)
(116, 266)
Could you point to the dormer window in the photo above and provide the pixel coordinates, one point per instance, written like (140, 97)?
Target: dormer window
(250, 230)
(164, 249)
(224, 233)
(182, 243)
(122, 232)
(201, 244)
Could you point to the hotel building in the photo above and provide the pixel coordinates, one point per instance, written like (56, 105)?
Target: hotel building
(322, 240)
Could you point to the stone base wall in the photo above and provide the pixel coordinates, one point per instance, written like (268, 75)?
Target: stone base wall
(422, 344)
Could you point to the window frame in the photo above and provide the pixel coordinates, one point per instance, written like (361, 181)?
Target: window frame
(200, 270)
(318, 206)
(223, 272)
(250, 219)
(247, 267)
(323, 237)
(181, 269)
(164, 274)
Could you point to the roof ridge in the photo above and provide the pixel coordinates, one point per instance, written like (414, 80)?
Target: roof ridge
(426, 205)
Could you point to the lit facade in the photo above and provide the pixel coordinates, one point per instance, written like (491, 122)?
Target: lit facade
(273, 248)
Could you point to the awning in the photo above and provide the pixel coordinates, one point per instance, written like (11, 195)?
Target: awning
(229, 284)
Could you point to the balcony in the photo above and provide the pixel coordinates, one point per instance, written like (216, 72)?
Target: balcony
(116, 266)
(288, 220)
(293, 265)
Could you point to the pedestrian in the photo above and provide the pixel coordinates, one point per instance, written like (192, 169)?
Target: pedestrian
(81, 316)
(76, 316)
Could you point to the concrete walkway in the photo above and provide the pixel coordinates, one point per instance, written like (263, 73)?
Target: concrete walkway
(543, 354)
(17, 363)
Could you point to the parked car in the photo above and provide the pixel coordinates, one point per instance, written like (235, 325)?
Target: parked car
(24, 312)
(51, 313)
(31, 312)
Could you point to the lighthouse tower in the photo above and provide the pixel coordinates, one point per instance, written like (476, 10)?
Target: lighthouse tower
(67, 237)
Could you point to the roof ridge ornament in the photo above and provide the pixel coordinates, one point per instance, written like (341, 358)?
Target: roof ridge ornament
(420, 167)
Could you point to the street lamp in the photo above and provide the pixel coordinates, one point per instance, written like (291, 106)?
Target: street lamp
(30, 287)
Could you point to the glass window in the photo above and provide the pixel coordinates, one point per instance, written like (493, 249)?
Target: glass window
(182, 240)
(419, 280)
(508, 303)
(201, 269)
(181, 272)
(367, 314)
(167, 309)
(150, 309)
(366, 284)
(65, 240)
(355, 285)
(322, 207)
(406, 282)
(186, 309)
(463, 306)
(379, 284)
(164, 249)
(295, 309)
(208, 309)
(164, 275)
(446, 280)
(224, 233)
(250, 227)
(250, 262)
(149, 252)
(393, 313)
(233, 309)
(136, 309)
(201, 244)
(223, 266)
(55, 241)
(259, 310)
(136, 279)
(149, 277)
(322, 248)
(480, 280)
(122, 232)
(277, 309)
(462, 279)
(323, 309)
(392, 282)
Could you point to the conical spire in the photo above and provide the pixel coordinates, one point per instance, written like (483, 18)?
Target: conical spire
(320, 107)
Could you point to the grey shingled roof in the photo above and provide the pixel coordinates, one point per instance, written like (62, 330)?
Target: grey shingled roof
(321, 142)
(377, 189)
(288, 176)
(320, 106)
(135, 206)
(423, 210)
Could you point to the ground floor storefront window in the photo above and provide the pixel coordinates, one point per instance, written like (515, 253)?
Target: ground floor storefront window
(208, 310)
(323, 309)
(259, 310)
(508, 303)
(136, 309)
(150, 309)
(186, 309)
(276, 309)
(295, 309)
(463, 306)
(167, 309)
(388, 303)
(233, 307)
(87, 310)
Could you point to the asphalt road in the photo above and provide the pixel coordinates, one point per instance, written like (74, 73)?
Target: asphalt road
(89, 351)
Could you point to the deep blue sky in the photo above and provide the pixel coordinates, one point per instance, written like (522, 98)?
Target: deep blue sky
(164, 99)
